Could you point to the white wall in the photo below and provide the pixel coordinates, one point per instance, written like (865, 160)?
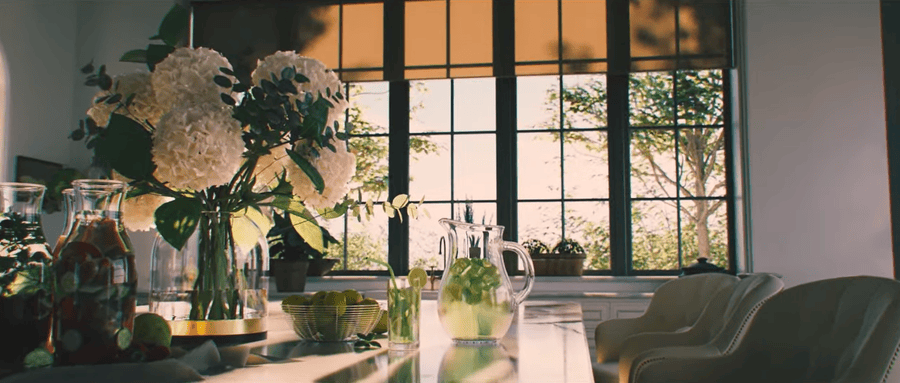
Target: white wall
(816, 127)
(37, 38)
(45, 43)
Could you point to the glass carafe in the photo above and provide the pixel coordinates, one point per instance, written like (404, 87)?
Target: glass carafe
(476, 301)
(96, 279)
(68, 196)
(26, 303)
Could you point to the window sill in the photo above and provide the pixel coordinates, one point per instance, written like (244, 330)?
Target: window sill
(544, 286)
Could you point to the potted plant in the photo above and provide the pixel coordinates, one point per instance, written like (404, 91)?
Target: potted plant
(292, 259)
(565, 258)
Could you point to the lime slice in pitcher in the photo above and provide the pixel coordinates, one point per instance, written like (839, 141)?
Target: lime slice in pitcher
(417, 277)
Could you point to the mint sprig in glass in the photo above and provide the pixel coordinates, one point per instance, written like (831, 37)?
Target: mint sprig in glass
(404, 305)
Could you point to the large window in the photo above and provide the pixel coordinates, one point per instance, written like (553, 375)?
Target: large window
(606, 122)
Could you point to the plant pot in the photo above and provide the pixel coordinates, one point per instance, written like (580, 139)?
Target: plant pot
(321, 266)
(290, 276)
(558, 264)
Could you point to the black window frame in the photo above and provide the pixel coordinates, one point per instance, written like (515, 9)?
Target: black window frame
(619, 63)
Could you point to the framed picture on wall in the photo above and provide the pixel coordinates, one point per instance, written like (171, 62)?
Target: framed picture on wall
(33, 170)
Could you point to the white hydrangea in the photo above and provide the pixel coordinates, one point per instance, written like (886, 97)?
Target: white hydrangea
(270, 167)
(195, 147)
(186, 76)
(143, 108)
(138, 212)
(319, 77)
(336, 167)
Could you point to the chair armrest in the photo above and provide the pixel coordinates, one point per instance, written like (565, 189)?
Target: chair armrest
(610, 335)
(701, 364)
(637, 346)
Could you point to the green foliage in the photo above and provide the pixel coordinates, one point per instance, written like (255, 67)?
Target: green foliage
(535, 246)
(567, 246)
(126, 146)
(360, 247)
(286, 243)
(699, 165)
(177, 219)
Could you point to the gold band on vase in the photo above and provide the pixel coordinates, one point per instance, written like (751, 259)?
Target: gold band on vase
(217, 327)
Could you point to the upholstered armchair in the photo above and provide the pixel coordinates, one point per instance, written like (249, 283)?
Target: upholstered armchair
(838, 330)
(675, 306)
(720, 325)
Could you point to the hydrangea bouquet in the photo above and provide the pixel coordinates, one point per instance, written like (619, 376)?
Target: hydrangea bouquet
(193, 141)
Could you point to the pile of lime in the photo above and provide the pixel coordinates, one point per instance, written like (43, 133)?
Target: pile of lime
(331, 315)
(472, 280)
(470, 306)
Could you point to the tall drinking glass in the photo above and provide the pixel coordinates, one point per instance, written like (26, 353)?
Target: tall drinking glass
(404, 302)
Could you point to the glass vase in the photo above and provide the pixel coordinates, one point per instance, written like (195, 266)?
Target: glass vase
(96, 279)
(215, 287)
(25, 274)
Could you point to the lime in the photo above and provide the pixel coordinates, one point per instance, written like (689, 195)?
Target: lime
(68, 284)
(335, 299)
(38, 358)
(352, 296)
(295, 300)
(317, 297)
(152, 330)
(382, 326)
(71, 340)
(123, 338)
(369, 301)
(417, 278)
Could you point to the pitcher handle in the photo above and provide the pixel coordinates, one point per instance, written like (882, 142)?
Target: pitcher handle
(529, 269)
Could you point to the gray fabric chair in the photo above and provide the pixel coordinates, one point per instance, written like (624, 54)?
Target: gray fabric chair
(839, 330)
(675, 306)
(721, 325)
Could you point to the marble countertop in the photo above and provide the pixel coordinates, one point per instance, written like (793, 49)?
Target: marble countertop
(546, 343)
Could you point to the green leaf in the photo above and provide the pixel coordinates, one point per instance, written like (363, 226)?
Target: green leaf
(174, 26)
(114, 99)
(288, 73)
(222, 81)
(400, 201)
(89, 68)
(126, 145)
(309, 230)
(309, 169)
(27, 282)
(176, 220)
(157, 53)
(135, 56)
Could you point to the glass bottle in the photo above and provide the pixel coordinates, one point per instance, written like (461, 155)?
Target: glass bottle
(25, 273)
(69, 208)
(96, 279)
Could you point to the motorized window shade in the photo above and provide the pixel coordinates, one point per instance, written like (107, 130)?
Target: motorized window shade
(458, 38)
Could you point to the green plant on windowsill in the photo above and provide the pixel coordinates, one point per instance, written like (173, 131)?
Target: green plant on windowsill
(286, 244)
(567, 246)
(565, 258)
(535, 246)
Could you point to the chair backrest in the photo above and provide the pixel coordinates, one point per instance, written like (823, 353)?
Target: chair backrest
(680, 302)
(747, 298)
(844, 329)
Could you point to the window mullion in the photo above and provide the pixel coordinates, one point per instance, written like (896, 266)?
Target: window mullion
(398, 120)
(507, 141)
(619, 53)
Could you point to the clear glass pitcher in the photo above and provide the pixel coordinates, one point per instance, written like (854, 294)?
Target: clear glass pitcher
(476, 301)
